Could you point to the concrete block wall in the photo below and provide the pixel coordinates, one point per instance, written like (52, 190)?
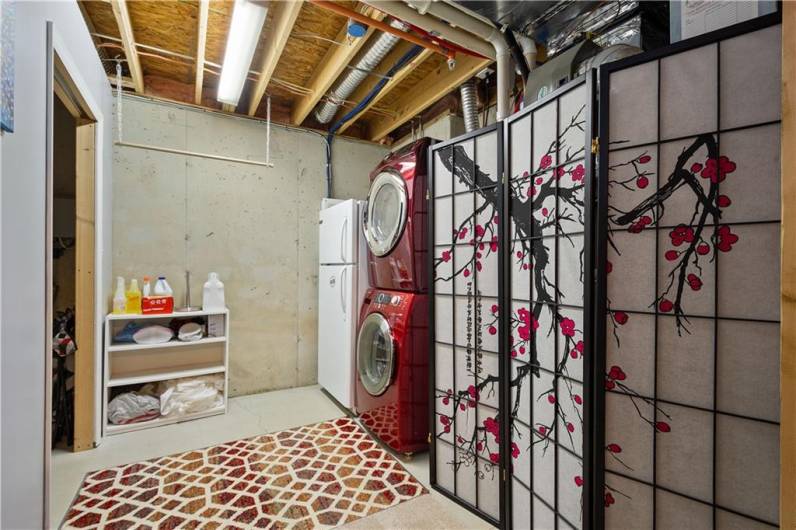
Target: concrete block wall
(257, 227)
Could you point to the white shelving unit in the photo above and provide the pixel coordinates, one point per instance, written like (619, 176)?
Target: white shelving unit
(133, 364)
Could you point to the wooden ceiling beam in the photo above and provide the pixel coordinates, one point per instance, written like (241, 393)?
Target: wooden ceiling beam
(425, 93)
(362, 90)
(201, 43)
(282, 22)
(128, 43)
(330, 67)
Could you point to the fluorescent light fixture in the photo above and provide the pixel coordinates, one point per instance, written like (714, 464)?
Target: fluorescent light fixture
(244, 32)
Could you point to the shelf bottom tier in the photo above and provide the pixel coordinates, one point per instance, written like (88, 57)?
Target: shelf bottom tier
(111, 428)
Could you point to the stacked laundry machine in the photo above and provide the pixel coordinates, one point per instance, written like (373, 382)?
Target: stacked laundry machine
(392, 357)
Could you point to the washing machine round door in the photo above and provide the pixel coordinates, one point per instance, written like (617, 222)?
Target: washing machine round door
(375, 354)
(386, 213)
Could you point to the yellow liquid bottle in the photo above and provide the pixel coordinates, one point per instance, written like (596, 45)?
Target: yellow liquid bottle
(133, 298)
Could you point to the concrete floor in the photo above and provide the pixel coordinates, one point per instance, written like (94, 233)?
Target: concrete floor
(249, 416)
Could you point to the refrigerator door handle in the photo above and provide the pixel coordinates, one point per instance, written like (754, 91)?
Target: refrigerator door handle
(343, 235)
(342, 294)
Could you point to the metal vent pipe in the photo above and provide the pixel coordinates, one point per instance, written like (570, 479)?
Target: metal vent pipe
(469, 105)
(352, 79)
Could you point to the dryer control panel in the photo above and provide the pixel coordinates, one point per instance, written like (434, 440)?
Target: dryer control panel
(388, 299)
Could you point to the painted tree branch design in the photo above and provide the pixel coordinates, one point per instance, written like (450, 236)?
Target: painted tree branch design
(549, 201)
(693, 244)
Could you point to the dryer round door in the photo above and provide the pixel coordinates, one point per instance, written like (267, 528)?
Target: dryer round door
(386, 213)
(375, 354)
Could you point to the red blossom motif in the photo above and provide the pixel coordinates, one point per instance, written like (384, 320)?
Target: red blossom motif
(694, 282)
(666, 306)
(570, 427)
(609, 499)
(662, 426)
(614, 448)
(560, 171)
(466, 272)
(515, 450)
(493, 427)
(567, 327)
(620, 317)
(494, 458)
(495, 309)
(446, 255)
(702, 249)
(681, 234)
(717, 171)
(725, 238)
(642, 182)
(551, 399)
(696, 167)
(447, 398)
(671, 255)
(722, 201)
(639, 225)
(609, 267)
(616, 373)
(463, 233)
(578, 173)
(542, 430)
(579, 481)
(644, 159)
(492, 330)
(545, 162)
(577, 399)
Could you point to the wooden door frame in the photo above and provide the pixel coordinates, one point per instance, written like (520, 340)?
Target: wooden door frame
(69, 94)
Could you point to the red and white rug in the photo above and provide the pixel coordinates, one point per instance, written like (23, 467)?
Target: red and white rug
(316, 476)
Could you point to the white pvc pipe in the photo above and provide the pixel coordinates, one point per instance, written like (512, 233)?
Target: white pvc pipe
(459, 18)
(401, 11)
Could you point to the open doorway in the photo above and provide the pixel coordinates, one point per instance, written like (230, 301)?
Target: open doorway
(72, 259)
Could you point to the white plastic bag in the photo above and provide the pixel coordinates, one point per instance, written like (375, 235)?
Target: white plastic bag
(179, 397)
(132, 407)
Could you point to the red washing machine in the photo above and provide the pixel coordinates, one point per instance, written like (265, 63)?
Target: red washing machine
(392, 368)
(395, 220)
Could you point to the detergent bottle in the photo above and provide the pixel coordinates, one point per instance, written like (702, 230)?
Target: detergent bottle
(213, 295)
(119, 298)
(133, 298)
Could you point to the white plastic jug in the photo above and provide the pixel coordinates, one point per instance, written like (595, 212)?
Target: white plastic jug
(162, 287)
(119, 297)
(213, 294)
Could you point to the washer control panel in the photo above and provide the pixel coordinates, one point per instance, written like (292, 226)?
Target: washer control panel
(388, 299)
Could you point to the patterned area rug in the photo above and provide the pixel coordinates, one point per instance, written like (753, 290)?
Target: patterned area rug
(316, 476)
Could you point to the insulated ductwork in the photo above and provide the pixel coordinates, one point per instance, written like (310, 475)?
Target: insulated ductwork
(352, 79)
(469, 105)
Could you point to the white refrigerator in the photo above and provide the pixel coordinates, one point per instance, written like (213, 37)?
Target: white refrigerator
(342, 282)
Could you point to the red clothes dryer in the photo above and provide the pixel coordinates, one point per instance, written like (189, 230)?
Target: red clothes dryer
(395, 220)
(392, 368)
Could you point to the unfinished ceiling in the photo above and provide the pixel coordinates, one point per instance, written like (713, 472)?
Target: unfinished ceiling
(174, 50)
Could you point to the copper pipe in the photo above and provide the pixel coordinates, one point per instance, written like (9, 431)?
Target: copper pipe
(383, 26)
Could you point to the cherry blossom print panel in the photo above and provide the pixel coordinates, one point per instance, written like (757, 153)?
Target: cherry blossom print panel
(628, 444)
(570, 486)
(632, 178)
(748, 369)
(542, 264)
(464, 269)
(628, 504)
(752, 193)
(443, 270)
(445, 466)
(633, 106)
(570, 270)
(488, 476)
(486, 158)
(688, 172)
(443, 178)
(486, 372)
(544, 470)
(520, 152)
(630, 272)
(685, 362)
(521, 272)
(750, 90)
(444, 235)
(686, 278)
(543, 135)
(443, 375)
(684, 455)
(519, 401)
(571, 347)
(630, 353)
(571, 183)
(689, 76)
(543, 407)
(749, 271)
(676, 511)
(570, 415)
(443, 327)
(747, 456)
(521, 441)
(572, 118)
(465, 177)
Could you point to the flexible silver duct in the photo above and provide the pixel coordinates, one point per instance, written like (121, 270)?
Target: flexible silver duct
(351, 80)
(469, 105)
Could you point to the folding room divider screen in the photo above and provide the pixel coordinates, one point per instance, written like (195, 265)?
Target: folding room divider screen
(689, 283)
(605, 350)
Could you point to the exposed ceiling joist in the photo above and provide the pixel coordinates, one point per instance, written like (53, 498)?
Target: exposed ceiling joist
(363, 89)
(330, 67)
(425, 93)
(128, 43)
(276, 37)
(201, 43)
